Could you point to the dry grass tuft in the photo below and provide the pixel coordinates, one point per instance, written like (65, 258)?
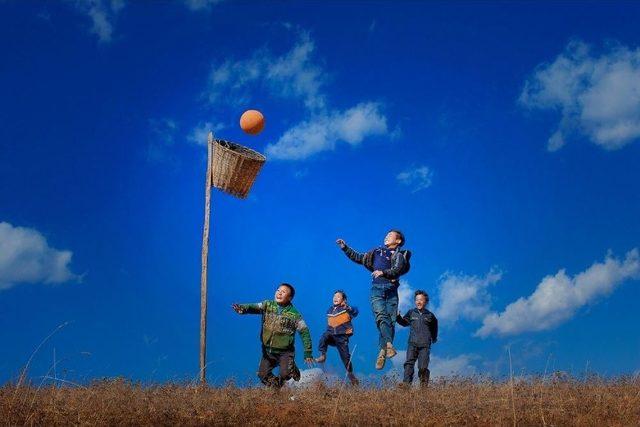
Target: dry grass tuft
(556, 401)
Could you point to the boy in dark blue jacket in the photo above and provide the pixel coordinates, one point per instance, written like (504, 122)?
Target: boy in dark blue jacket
(338, 331)
(423, 332)
(386, 264)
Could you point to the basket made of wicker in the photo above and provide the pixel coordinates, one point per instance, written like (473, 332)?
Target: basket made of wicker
(234, 167)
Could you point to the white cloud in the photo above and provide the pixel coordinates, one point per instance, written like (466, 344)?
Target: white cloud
(462, 365)
(418, 178)
(102, 14)
(323, 132)
(461, 296)
(163, 137)
(196, 5)
(405, 296)
(25, 257)
(295, 75)
(598, 96)
(200, 133)
(292, 75)
(301, 173)
(440, 367)
(557, 298)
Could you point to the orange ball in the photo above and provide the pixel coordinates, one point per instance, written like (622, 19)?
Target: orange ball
(252, 122)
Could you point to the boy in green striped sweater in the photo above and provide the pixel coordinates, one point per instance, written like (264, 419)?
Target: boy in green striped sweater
(280, 321)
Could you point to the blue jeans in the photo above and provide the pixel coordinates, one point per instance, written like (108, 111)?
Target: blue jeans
(384, 303)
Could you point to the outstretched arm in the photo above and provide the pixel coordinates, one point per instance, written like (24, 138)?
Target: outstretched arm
(305, 335)
(354, 256)
(403, 320)
(256, 308)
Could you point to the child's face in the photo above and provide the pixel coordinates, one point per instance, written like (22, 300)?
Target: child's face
(392, 240)
(421, 301)
(338, 298)
(283, 295)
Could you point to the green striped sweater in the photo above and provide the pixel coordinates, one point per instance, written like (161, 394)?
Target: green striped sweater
(279, 326)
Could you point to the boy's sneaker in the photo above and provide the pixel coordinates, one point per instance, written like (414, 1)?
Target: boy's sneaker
(354, 380)
(295, 373)
(390, 350)
(322, 358)
(381, 359)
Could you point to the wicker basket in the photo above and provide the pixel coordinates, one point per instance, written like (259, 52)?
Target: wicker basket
(234, 167)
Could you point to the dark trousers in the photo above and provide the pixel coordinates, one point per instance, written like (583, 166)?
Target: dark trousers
(285, 361)
(341, 342)
(421, 354)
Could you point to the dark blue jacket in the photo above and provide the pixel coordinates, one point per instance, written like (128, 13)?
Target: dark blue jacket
(424, 326)
(339, 319)
(398, 263)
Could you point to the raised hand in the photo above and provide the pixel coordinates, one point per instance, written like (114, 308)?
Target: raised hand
(237, 308)
(341, 243)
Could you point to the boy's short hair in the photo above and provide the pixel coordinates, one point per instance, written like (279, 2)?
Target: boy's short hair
(400, 236)
(291, 288)
(421, 292)
(344, 294)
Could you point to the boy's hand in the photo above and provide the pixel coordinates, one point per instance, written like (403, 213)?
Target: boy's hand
(377, 273)
(341, 243)
(309, 361)
(237, 308)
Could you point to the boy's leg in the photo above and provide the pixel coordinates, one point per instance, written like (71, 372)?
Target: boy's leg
(423, 365)
(322, 346)
(378, 305)
(342, 343)
(391, 308)
(412, 355)
(288, 368)
(324, 342)
(265, 370)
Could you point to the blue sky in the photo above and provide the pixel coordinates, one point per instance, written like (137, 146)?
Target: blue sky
(502, 138)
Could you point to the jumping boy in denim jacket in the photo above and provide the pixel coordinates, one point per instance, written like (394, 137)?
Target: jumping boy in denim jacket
(338, 332)
(386, 263)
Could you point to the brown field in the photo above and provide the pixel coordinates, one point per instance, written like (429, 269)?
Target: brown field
(556, 401)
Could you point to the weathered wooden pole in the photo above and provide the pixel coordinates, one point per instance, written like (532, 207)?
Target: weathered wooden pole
(205, 257)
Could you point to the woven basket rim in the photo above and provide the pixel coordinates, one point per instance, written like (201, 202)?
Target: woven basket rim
(240, 149)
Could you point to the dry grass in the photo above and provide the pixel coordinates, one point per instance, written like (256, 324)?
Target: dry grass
(556, 401)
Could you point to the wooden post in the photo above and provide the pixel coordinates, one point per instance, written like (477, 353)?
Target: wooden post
(205, 257)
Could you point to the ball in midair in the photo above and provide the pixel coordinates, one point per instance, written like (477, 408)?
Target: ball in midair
(252, 122)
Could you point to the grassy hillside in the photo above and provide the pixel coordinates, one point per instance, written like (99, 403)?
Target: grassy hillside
(558, 401)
